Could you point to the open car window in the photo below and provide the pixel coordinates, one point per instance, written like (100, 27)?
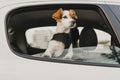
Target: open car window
(30, 30)
(102, 53)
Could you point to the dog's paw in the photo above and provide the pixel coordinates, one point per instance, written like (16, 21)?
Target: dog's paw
(68, 56)
(58, 53)
(47, 55)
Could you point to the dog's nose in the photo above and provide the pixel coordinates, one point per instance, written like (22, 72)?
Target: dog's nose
(73, 22)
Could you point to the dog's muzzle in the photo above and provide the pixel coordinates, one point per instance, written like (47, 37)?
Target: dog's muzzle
(72, 24)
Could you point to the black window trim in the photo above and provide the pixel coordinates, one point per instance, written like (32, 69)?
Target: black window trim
(56, 60)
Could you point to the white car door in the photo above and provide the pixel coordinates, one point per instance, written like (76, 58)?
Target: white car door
(14, 67)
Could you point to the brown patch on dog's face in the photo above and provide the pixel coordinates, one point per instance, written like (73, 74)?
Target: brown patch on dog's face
(58, 15)
(73, 14)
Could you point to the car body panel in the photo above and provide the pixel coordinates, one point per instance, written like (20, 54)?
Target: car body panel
(13, 67)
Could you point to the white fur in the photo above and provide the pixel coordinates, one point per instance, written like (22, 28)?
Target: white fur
(70, 53)
(56, 48)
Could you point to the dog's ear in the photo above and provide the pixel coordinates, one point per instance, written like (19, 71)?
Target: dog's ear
(73, 14)
(58, 15)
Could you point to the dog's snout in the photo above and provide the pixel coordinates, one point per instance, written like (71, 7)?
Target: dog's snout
(73, 22)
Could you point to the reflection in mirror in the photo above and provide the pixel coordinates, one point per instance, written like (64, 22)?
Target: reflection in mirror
(102, 53)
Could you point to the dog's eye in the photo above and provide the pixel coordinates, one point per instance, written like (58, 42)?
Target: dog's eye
(65, 17)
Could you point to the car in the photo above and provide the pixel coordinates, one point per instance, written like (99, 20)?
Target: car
(27, 27)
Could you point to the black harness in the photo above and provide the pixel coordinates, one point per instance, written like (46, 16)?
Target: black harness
(64, 38)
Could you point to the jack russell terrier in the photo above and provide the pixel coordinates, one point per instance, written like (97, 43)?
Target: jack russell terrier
(66, 20)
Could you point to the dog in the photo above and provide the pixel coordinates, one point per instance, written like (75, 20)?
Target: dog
(66, 20)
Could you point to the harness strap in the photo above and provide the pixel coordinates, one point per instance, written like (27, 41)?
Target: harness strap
(64, 38)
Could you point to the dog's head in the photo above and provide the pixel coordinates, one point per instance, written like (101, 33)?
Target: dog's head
(66, 18)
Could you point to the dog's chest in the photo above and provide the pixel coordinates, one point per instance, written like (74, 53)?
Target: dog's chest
(64, 38)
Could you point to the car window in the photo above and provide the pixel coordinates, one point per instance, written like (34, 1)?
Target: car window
(43, 33)
(102, 53)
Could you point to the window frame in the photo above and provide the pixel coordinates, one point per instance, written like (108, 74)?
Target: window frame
(103, 8)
